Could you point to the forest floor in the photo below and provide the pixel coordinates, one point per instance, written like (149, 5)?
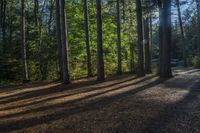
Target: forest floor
(124, 104)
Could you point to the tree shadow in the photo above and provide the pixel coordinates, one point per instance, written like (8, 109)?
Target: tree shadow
(93, 104)
(72, 101)
(178, 116)
(78, 87)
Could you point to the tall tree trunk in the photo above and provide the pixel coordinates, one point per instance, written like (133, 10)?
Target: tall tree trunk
(25, 69)
(160, 6)
(124, 7)
(182, 31)
(166, 48)
(100, 61)
(36, 11)
(140, 68)
(151, 36)
(119, 49)
(58, 36)
(4, 21)
(1, 12)
(147, 46)
(198, 26)
(10, 23)
(66, 78)
(87, 35)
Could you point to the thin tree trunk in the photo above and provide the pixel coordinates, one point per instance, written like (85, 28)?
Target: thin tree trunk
(4, 21)
(87, 35)
(10, 23)
(25, 69)
(160, 6)
(140, 68)
(151, 37)
(1, 12)
(182, 31)
(66, 78)
(198, 26)
(36, 8)
(124, 14)
(100, 61)
(166, 52)
(132, 63)
(119, 49)
(147, 46)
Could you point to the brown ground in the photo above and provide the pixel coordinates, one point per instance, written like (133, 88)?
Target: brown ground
(124, 104)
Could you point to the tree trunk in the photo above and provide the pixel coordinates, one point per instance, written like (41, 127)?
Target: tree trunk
(166, 48)
(160, 6)
(132, 63)
(1, 12)
(100, 61)
(147, 46)
(36, 8)
(198, 27)
(58, 36)
(87, 35)
(119, 49)
(140, 68)
(64, 41)
(151, 37)
(25, 69)
(182, 31)
(4, 20)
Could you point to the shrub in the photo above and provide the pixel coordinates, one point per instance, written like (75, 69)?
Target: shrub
(196, 62)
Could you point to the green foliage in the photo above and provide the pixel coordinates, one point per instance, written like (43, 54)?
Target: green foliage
(196, 62)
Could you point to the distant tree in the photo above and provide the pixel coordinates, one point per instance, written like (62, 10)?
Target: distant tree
(182, 30)
(3, 10)
(198, 26)
(87, 35)
(23, 34)
(36, 8)
(119, 49)
(160, 38)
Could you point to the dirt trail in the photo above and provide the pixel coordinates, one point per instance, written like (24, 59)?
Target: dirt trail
(124, 104)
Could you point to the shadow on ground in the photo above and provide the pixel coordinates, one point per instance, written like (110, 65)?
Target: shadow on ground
(21, 109)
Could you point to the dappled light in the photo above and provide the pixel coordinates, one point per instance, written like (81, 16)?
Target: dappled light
(149, 95)
(99, 66)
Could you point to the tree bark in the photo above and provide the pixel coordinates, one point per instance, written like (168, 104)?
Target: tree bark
(160, 6)
(25, 69)
(100, 61)
(166, 48)
(4, 5)
(147, 46)
(151, 37)
(140, 68)
(198, 27)
(58, 36)
(66, 78)
(182, 31)
(36, 8)
(119, 49)
(87, 35)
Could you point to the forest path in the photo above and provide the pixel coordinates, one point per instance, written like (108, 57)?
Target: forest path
(125, 104)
